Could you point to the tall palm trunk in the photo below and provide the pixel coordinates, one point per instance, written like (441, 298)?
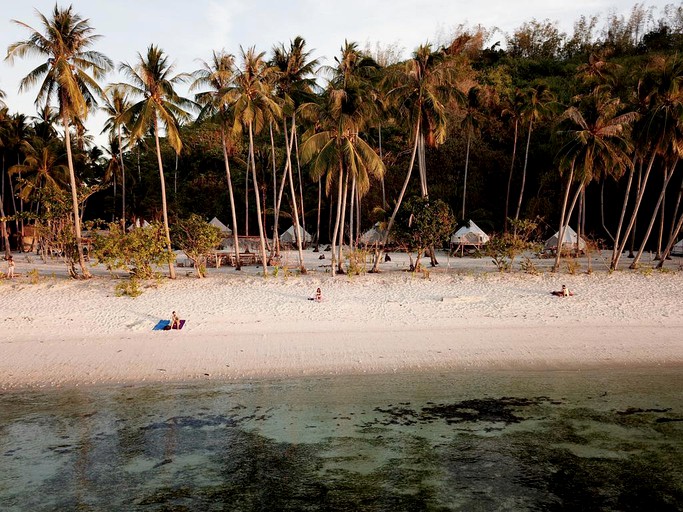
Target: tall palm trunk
(246, 198)
(123, 182)
(262, 237)
(422, 164)
(295, 208)
(467, 162)
(381, 157)
(3, 227)
(512, 166)
(660, 200)
(634, 215)
(627, 193)
(672, 238)
(340, 258)
(352, 213)
(74, 199)
(526, 160)
(338, 218)
(233, 211)
(288, 162)
(320, 202)
(298, 168)
(375, 266)
(171, 263)
(560, 233)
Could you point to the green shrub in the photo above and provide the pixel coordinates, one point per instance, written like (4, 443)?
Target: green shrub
(197, 238)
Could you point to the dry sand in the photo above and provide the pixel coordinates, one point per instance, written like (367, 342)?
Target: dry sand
(464, 317)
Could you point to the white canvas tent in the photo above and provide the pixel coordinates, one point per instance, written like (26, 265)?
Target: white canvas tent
(373, 236)
(217, 223)
(677, 250)
(289, 236)
(570, 241)
(469, 234)
(137, 224)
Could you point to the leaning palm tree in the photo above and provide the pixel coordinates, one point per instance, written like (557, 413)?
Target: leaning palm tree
(294, 85)
(217, 103)
(539, 100)
(68, 76)
(597, 135)
(470, 123)
(152, 79)
(254, 106)
(419, 90)
(117, 107)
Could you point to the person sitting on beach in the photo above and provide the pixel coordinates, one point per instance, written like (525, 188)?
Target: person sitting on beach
(174, 323)
(564, 292)
(318, 297)
(10, 267)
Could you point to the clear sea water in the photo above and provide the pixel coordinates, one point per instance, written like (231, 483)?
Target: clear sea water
(598, 440)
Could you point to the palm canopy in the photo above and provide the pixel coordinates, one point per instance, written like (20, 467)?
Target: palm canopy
(597, 134)
(70, 73)
(420, 88)
(295, 79)
(152, 79)
(116, 106)
(43, 166)
(254, 104)
(216, 77)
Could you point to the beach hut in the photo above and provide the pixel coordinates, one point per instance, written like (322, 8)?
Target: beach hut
(677, 250)
(469, 235)
(225, 230)
(289, 236)
(373, 236)
(570, 241)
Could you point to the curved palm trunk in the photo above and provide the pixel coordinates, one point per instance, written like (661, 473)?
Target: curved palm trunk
(298, 167)
(276, 220)
(660, 199)
(560, 233)
(74, 199)
(634, 215)
(375, 266)
(422, 164)
(512, 166)
(171, 265)
(295, 208)
(3, 227)
(627, 192)
(526, 160)
(262, 238)
(467, 162)
(602, 210)
(672, 239)
(233, 211)
(340, 259)
(320, 202)
(123, 182)
(336, 223)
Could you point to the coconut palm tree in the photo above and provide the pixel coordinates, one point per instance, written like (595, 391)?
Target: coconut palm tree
(470, 123)
(254, 106)
(597, 135)
(42, 167)
(294, 85)
(160, 106)
(658, 132)
(419, 90)
(117, 107)
(69, 75)
(536, 107)
(217, 102)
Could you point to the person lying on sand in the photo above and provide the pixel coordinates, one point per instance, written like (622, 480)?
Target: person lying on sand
(175, 322)
(564, 292)
(318, 297)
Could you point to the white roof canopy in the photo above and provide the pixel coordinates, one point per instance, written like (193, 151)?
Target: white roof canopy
(570, 240)
(220, 225)
(470, 234)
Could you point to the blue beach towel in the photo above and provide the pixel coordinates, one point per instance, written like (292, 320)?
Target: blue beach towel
(162, 324)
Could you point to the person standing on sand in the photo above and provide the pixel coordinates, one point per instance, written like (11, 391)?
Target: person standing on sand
(10, 267)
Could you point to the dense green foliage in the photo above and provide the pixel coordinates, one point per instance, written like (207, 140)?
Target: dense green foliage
(538, 123)
(197, 238)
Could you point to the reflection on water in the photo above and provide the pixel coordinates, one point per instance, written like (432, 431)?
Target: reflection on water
(486, 441)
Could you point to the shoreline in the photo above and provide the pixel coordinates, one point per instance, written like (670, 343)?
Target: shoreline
(56, 332)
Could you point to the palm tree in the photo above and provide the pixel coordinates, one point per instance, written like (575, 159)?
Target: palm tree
(419, 90)
(514, 111)
(294, 84)
(254, 106)
(597, 144)
(536, 107)
(152, 79)
(68, 75)
(659, 133)
(42, 167)
(470, 124)
(217, 76)
(117, 107)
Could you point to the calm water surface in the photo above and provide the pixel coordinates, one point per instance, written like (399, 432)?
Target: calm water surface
(600, 440)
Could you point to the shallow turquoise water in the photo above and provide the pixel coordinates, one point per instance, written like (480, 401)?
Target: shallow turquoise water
(601, 440)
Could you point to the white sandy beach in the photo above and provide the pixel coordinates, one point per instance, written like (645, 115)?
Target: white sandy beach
(465, 316)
